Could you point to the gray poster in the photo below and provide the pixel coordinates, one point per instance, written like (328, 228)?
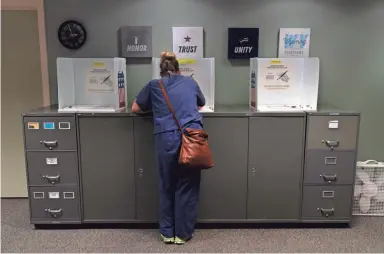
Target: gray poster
(135, 41)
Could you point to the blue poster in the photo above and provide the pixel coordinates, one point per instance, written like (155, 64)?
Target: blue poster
(243, 43)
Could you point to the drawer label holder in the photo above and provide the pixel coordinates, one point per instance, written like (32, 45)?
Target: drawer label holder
(328, 194)
(333, 124)
(38, 195)
(54, 195)
(64, 125)
(33, 126)
(69, 195)
(330, 160)
(51, 161)
(49, 125)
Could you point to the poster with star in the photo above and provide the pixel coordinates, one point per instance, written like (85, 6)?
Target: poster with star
(188, 42)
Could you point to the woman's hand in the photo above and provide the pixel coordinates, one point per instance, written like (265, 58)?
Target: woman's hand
(136, 108)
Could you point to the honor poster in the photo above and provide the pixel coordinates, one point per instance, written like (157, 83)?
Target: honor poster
(294, 42)
(188, 42)
(243, 43)
(136, 41)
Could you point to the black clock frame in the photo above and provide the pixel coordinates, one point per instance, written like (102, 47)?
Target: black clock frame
(65, 23)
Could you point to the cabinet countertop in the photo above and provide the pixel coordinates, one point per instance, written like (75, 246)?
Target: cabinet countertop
(220, 111)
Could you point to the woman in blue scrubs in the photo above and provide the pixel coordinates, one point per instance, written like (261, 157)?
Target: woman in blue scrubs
(178, 186)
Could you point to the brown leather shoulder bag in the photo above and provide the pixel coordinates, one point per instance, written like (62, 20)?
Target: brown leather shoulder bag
(194, 151)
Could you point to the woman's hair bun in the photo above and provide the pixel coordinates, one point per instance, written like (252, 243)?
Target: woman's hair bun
(168, 55)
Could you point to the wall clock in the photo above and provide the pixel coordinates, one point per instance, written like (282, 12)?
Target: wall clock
(72, 34)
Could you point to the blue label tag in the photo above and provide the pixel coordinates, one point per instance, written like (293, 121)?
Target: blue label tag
(49, 125)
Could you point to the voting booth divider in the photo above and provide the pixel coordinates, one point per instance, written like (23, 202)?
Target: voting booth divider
(284, 84)
(91, 84)
(200, 69)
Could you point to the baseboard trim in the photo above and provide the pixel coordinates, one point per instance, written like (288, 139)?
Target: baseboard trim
(14, 197)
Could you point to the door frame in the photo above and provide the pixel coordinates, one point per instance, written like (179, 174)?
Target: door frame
(36, 5)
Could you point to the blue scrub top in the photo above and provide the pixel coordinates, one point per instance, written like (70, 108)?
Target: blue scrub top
(185, 96)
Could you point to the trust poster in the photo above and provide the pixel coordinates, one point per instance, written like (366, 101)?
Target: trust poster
(188, 42)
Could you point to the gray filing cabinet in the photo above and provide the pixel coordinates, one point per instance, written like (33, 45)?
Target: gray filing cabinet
(276, 146)
(217, 184)
(107, 160)
(52, 168)
(223, 189)
(269, 167)
(330, 162)
(147, 197)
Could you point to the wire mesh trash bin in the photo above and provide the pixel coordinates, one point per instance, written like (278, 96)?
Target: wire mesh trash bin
(369, 189)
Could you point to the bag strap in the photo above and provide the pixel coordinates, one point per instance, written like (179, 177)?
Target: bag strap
(169, 104)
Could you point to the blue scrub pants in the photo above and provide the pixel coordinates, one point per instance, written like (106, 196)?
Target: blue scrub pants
(179, 187)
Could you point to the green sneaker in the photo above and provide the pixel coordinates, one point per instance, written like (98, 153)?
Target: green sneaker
(180, 241)
(167, 239)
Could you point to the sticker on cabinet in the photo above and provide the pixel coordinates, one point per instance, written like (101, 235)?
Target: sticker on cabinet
(49, 125)
(33, 125)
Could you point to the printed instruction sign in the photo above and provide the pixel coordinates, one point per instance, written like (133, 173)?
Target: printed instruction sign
(188, 42)
(100, 80)
(277, 75)
(190, 68)
(294, 42)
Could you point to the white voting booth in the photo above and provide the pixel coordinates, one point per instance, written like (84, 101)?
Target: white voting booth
(284, 84)
(91, 84)
(202, 70)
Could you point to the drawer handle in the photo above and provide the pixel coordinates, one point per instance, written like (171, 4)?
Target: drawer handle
(326, 212)
(52, 179)
(54, 213)
(329, 178)
(49, 144)
(331, 143)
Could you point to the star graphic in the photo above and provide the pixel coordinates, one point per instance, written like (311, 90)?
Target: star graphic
(187, 39)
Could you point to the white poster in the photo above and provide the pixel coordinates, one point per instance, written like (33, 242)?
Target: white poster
(188, 42)
(294, 42)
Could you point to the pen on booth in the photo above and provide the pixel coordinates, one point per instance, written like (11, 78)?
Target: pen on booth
(282, 75)
(106, 79)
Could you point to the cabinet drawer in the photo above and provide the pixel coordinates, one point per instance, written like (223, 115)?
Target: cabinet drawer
(329, 167)
(327, 202)
(50, 133)
(339, 132)
(52, 168)
(54, 204)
